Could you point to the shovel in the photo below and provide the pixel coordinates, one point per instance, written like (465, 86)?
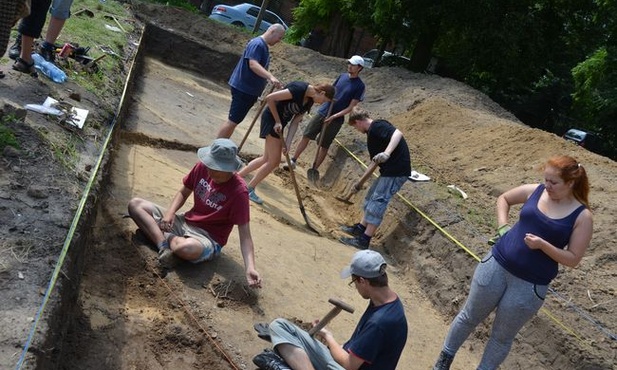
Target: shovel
(312, 174)
(295, 185)
(358, 185)
(261, 107)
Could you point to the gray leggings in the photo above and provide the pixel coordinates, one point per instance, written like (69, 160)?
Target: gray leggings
(516, 301)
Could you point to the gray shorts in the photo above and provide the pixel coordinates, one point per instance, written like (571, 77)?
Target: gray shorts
(313, 128)
(211, 249)
(282, 331)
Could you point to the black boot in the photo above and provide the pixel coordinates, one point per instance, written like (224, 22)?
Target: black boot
(444, 361)
(15, 49)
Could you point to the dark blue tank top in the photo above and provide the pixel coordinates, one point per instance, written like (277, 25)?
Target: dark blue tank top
(533, 265)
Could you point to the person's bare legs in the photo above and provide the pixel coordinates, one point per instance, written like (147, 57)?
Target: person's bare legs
(186, 248)
(226, 130)
(301, 147)
(54, 28)
(370, 228)
(272, 158)
(252, 166)
(295, 357)
(141, 211)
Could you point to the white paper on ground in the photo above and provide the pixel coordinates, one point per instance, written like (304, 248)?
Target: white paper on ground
(417, 176)
(78, 115)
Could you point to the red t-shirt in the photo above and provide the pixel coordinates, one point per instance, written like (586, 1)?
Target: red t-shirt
(217, 207)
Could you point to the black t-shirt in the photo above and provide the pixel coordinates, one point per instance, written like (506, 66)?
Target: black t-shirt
(286, 108)
(378, 138)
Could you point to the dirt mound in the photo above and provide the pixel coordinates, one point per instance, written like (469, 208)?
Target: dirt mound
(126, 315)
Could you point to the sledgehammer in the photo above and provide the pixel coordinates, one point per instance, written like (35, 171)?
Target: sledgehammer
(338, 307)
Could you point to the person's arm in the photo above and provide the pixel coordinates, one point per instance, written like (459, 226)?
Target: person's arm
(248, 255)
(385, 155)
(342, 113)
(177, 203)
(271, 100)
(517, 195)
(259, 70)
(342, 357)
(577, 245)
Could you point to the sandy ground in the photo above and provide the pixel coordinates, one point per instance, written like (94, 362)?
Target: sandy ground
(128, 316)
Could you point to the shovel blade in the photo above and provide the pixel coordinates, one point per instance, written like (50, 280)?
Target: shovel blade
(312, 175)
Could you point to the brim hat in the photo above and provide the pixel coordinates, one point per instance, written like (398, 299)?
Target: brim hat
(222, 155)
(367, 264)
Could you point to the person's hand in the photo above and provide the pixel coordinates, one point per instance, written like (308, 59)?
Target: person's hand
(274, 81)
(501, 231)
(253, 279)
(533, 241)
(381, 157)
(323, 333)
(278, 128)
(328, 119)
(166, 223)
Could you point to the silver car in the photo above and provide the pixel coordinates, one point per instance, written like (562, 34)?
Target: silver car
(244, 15)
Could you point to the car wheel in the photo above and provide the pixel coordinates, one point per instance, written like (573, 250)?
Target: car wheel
(237, 24)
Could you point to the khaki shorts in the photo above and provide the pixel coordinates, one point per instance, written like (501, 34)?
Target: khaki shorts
(181, 228)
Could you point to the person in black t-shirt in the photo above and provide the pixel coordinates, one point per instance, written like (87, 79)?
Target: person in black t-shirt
(388, 148)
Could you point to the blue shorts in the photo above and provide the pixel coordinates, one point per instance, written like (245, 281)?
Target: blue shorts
(61, 9)
(241, 104)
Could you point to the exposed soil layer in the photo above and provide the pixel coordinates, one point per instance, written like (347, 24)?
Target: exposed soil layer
(116, 309)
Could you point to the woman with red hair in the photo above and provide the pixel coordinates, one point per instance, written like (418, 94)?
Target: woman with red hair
(554, 227)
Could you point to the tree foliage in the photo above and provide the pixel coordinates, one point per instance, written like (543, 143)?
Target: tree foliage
(551, 62)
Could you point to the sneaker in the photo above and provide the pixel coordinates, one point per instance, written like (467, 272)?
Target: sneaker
(293, 165)
(353, 230)
(48, 52)
(254, 197)
(15, 50)
(358, 242)
(269, 360)
(168, 259)
(444, 361)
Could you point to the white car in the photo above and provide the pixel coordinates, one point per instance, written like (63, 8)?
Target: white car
(244, 15)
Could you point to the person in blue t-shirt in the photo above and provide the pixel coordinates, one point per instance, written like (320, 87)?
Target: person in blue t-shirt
(554, 227)
(250, 76)
(376, 343)
(388, 149)
(286, 106)
(349, 92)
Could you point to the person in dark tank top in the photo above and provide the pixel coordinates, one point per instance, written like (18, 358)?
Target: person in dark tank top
(554, 228)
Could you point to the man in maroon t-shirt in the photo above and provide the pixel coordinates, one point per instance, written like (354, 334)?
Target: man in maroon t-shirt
(220, 199)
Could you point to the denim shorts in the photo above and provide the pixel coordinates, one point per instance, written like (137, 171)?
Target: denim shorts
(61, 9)
(241, 104)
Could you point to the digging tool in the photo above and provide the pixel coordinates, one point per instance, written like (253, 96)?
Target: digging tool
(312, 174)
(295, 184)
(358, 185)
(338, 307)
(261, 108)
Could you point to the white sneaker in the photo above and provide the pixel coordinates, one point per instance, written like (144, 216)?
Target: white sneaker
(293, 165)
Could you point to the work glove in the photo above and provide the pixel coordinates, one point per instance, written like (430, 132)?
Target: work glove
(381, 157)
(501, 231)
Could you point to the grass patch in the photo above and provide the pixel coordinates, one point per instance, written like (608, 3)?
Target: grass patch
(7, 137)
(65, 152)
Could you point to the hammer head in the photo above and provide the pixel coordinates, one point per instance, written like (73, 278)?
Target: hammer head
(342, 305)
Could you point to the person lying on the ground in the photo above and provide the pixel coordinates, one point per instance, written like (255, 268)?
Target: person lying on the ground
(250, 76)
(376, 343)
(220, 200)
(388, 148)
(350, 91)
(283, 106)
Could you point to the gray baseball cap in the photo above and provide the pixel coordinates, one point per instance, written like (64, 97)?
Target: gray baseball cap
(367, 264)
(222, 155)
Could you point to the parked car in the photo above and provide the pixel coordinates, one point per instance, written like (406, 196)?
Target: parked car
(589, 140)
(387, 59)
(244, 15)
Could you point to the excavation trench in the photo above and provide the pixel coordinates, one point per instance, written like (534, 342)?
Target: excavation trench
(119, 312)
